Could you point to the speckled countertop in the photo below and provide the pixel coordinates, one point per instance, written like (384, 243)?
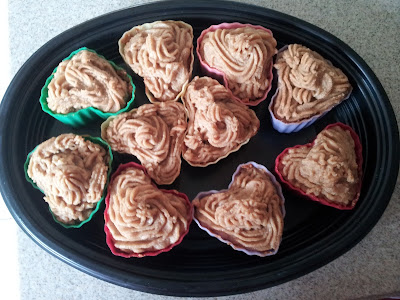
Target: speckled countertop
(369, 270)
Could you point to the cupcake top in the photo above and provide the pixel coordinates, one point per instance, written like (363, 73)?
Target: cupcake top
(328, 169)
(88, 80)
(244, 54)
(141, 219)
(72, 173)
(308, 85)
(218, 125)
(161, 53)
(248, 215)
(154, 134)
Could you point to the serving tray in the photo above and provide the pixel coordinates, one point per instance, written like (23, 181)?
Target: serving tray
(201, 265)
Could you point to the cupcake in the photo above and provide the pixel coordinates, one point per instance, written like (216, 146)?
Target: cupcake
(72, 171)
(85, 86)
(162, 53)
(248, 216)
(154, 133)
(308, 87)
(140, 219)
(218, 124)
(328, 170)
(240, 56)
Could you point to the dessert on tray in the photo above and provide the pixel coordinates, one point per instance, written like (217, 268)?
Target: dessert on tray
(218, 124)
(248, 216)
(162, 53)
(328, 170)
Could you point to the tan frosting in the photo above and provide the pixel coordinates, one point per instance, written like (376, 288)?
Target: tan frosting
(327, 170)
(161, 53)
(218, 125)
(244, 54)
(87, 80)
(308, 84)
(72, 172)
(154, 134)
(141, 217)
(249, 214)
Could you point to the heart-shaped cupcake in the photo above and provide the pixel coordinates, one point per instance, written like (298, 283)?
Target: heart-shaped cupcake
(154, 133)
(240, 56)
(308, 87)
(162, 53)
(140, 219)
(327, 170)
(248, 215)
(218, 125)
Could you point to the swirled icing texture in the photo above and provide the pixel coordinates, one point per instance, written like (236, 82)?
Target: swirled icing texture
(161, 53)
(249, 215)
(244, 55)
(327, 170)
(218, 125)
(72, 172)
(308, 84)
(141, 217)
(154, 134)
(87, 80)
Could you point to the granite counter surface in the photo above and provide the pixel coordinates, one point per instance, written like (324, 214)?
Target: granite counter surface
(370, 269)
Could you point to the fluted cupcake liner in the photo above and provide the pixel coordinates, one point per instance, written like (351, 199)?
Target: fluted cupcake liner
(95, 140)
(133, 31)
(359, 161)
(86, 115)
(289, 127)
(220, 75)
(109, 239)
(278, 188)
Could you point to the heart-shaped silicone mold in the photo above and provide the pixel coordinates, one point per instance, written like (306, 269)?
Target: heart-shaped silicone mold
(248, 215)
(132, 228)
(291, 183)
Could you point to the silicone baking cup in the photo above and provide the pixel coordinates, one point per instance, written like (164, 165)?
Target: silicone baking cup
(109, 239)
(213, 234)
(95, 140)
(289, 127)
(83, 116)
(359, 160)
(137, 29)
(220, 75)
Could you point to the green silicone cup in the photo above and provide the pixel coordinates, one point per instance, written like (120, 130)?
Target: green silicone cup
(86, 115)
(95, 140)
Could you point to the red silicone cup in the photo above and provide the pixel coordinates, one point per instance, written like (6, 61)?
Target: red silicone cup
(359, 160)
(109, 239)
(218, 74)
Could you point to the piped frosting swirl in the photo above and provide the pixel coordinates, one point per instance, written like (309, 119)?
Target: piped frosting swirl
(161, 53)
(308, 84)
(87, 80)
(154, 133)
(218, 125)
(72, 172)
(244, 54)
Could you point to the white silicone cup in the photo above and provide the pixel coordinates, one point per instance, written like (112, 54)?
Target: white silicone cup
(133, 31)
(285, 127)
(219, 75)
(280, 194)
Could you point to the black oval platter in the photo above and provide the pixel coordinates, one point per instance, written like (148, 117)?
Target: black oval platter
(202, 266)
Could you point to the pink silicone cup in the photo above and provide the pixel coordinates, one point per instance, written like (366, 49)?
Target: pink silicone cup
(109, 240)
(219, 75)
(211, 233)
(289, 127)
(359, 160)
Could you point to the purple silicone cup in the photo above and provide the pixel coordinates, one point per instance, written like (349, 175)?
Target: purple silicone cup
(280, 194)
(219, 75)
(286, 127)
